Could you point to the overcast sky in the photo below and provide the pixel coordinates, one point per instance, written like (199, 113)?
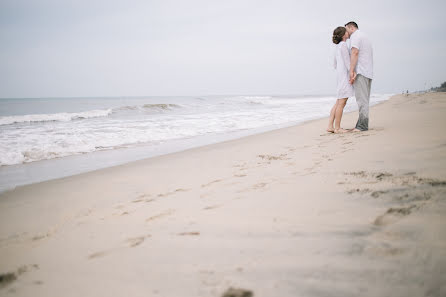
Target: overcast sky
(52, 48)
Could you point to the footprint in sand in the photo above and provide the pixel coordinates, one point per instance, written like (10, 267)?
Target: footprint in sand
(97, 255)
(259, 186)
(173, 192)
(254, 187)
(273, 158)
(394, 214)
(346, 150)
(46, 234)
(357, 173)
(210, 183)
(211, 207)
(39, 237)
(193, 233)
(357, 190)
(240, 175)
(309, 171)
(362, 135)
(377, 129)
(9, 277)
(129, 243)
(135, 241)
(410, 173)
(143, 200)
(161, 215)
(376, 194)
(408, 191)
(386, 249)
(383, 175)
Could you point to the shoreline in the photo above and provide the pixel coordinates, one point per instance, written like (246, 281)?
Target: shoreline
(289, 212)
(33, 170)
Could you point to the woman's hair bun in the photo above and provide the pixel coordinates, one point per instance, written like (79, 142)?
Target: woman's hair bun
(338, 33)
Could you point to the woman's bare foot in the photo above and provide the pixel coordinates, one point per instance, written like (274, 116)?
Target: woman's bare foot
(331, 130)
(340, 131)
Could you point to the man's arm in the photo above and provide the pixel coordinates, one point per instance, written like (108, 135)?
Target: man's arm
(353, 62)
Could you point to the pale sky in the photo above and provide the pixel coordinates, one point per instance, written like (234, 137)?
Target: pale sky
(71, 48)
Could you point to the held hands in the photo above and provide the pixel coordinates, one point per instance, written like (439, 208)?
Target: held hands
(352, 77)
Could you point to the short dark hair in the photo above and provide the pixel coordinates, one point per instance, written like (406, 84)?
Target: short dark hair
(352, 24)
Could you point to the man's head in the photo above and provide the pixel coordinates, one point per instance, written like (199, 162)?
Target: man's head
(351, 27)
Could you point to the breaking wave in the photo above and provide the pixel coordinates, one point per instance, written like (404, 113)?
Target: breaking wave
(61, 117)
(159, 106)
(69, 116)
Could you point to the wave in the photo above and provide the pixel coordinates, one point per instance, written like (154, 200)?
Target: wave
(69, 116)
(40, 142)
(159, 106)
(255, 97)
(61, 117)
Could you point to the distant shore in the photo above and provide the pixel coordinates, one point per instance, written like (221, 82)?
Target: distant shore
(291, 212)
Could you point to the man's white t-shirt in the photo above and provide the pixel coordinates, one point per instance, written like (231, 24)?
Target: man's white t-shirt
(365, 57)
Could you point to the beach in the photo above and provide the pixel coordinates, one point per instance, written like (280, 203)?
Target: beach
(290, 212)
(48, 138)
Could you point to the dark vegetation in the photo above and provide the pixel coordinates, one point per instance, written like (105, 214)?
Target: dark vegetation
(441, 88)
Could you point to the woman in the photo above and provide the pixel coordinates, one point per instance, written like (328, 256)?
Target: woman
(344, 87)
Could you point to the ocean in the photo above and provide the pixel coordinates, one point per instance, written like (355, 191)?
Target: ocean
(48, 138)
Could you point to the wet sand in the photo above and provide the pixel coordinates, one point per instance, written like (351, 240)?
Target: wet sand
(292, 212)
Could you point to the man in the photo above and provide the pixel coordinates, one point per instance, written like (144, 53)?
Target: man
(361, 72)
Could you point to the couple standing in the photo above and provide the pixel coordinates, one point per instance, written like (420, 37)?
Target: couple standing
(354, 69)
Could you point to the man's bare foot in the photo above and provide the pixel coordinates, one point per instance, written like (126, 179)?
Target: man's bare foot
(355, 130)
(340, 131)
(331, 130)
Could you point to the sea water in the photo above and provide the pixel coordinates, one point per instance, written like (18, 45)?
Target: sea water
(47, 138)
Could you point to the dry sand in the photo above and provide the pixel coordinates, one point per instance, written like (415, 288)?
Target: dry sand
(292, 212)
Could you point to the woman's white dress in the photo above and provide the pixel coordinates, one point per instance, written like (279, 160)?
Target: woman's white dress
(342, 66)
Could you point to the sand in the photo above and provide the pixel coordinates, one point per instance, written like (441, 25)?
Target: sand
(292, 212)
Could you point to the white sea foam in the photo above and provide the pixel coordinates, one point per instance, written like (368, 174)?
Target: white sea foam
(62, 116)
(126, 126)
(158, 106)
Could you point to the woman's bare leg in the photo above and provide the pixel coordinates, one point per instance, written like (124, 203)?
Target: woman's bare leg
(332, 118)
(340, 104)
